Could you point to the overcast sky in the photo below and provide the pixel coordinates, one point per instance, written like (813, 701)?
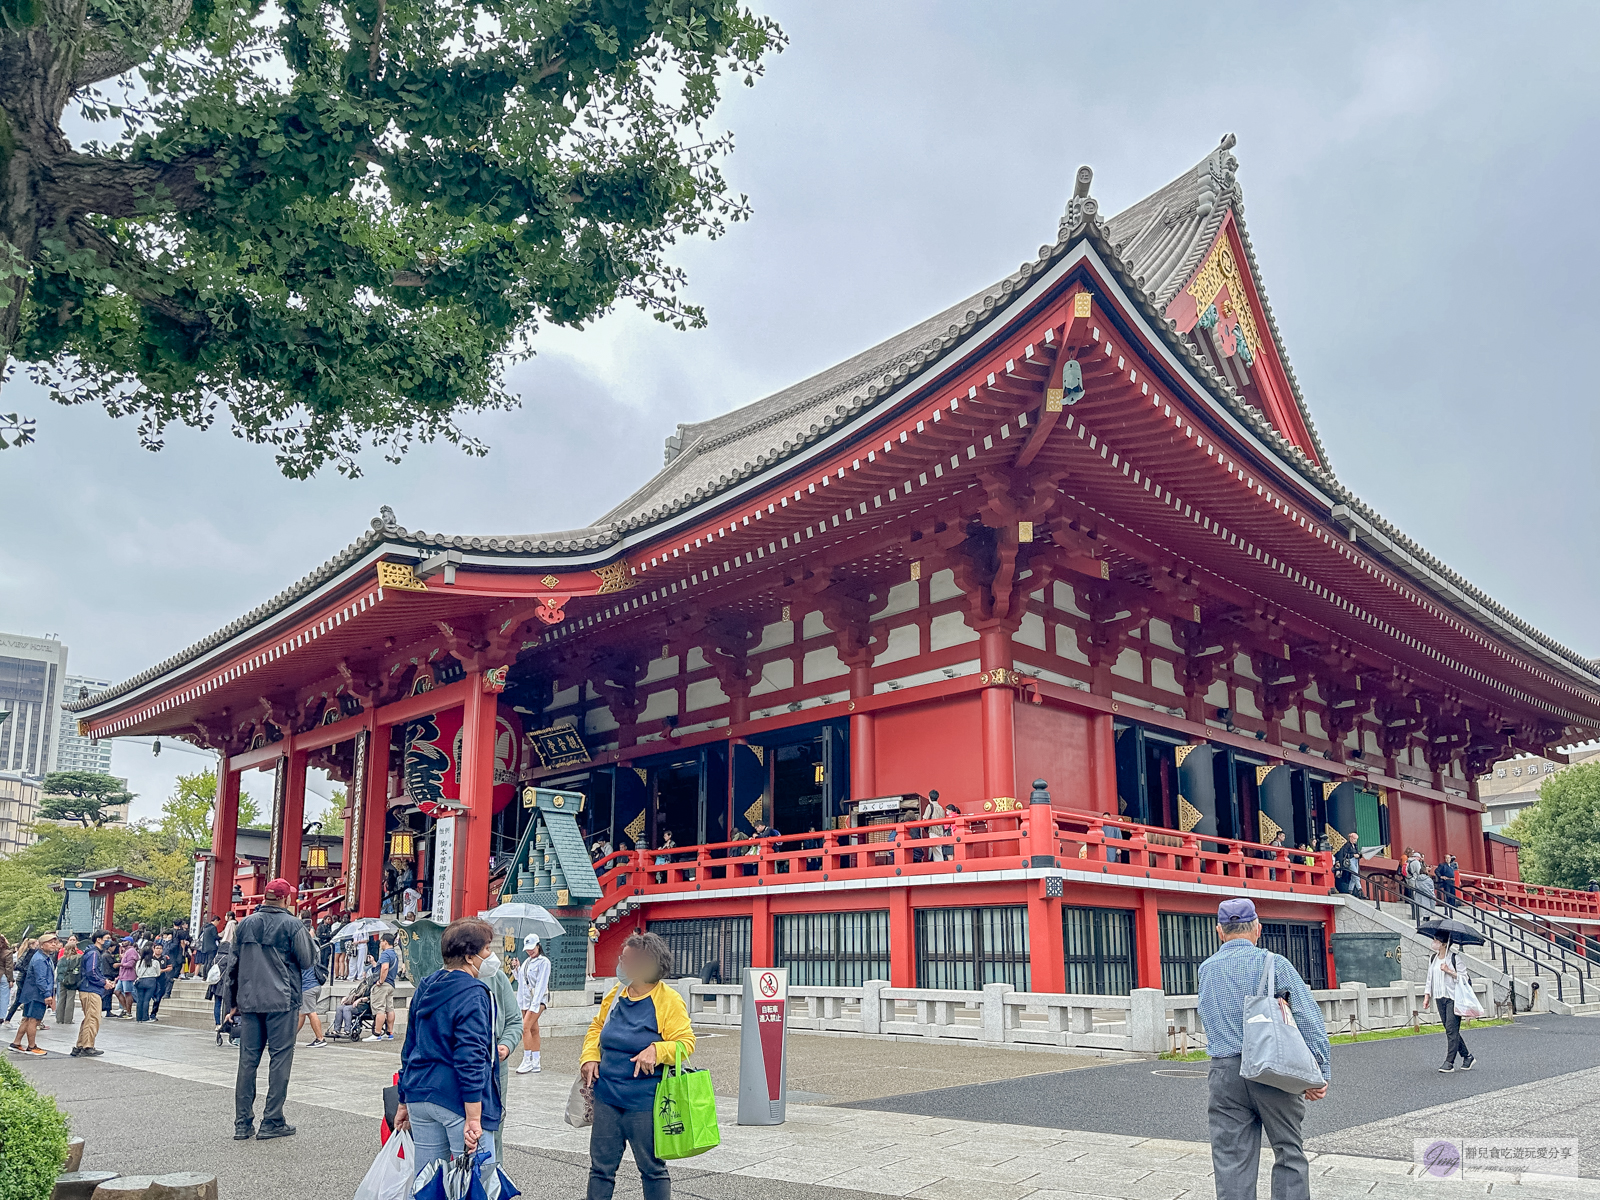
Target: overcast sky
(1419, 184)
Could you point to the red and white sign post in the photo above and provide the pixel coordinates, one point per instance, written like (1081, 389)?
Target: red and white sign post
(763, 1046)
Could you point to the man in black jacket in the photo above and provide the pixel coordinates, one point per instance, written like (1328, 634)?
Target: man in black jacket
(271, 953)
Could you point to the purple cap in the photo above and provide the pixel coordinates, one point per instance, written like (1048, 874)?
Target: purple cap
(1236, 911)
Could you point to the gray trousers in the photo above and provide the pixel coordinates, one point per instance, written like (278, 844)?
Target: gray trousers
(612, 1128)
(275, 1033)
(1452, 1030)
(1238, 1112)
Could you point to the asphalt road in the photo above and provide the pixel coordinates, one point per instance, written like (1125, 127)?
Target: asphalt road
(137, 1122)
(1372, 1081)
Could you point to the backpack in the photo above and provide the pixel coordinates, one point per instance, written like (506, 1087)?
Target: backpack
(71, 972)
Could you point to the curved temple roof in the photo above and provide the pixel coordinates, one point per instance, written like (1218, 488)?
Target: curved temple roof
(1156, 245)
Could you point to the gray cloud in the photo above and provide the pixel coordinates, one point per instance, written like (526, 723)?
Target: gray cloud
(1417, 179)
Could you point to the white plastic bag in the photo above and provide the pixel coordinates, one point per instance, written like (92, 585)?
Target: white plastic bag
(391, 1176)
(1468, 1006)
(214, 975)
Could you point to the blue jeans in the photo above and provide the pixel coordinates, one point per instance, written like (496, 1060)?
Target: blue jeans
(441, 1133)
(5, 998)
(144, 991)
(612, 1127)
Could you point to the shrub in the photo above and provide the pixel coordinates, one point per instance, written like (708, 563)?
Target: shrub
(33, 1139)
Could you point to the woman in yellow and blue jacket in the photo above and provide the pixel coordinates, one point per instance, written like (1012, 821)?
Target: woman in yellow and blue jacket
(642, 1025)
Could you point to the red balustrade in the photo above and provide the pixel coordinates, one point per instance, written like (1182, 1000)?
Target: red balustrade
(1126, 847)
(1546, 901)
(961, 844)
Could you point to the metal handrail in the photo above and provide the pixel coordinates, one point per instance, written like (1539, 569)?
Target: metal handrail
(1564, 938)
(1558, 954)
(1381, 888)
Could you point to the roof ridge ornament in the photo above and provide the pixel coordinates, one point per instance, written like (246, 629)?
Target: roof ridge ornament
(385, 520)
(1081, 206)
(1217, 179)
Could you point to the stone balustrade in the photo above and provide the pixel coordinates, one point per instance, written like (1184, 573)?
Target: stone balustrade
(1148, 1021)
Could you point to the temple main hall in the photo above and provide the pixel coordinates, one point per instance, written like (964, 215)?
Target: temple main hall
(999, 652)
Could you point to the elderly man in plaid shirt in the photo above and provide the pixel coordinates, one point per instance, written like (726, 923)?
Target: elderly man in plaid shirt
(1239, 1109)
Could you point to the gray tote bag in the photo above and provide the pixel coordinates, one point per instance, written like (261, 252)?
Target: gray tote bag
(1274, 1052)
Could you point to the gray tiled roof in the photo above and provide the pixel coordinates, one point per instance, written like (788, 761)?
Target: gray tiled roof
(1153, 246)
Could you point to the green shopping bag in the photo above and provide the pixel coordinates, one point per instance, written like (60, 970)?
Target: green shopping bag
(685, 1112)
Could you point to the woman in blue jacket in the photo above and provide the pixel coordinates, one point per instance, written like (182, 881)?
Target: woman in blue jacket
(449, 1087)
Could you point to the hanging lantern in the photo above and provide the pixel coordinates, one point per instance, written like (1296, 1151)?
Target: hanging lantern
(400, 844)
(317, 858)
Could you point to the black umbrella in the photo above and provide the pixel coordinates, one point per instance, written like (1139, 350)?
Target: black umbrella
(1455, 931)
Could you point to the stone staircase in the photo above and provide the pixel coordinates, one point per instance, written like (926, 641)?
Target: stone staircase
(188, 1006)
(569, 1013)
(1533, 992)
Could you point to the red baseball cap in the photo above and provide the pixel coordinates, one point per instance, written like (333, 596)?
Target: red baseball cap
(280, 887)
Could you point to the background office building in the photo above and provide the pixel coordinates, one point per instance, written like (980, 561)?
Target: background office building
(19, 804)
(74, 752)
(32, 674)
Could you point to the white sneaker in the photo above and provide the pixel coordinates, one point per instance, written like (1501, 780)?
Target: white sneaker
(527, 1065)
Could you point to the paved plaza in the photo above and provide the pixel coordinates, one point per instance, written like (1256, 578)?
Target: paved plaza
(880, 1118)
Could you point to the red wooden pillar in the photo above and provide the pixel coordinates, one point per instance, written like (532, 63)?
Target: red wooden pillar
(1327, 946)
(1441, 831)
(999, 727)
(760, 934)
(293, 817)
(374, 811)
(902, 939)
(477, 798)
(863, 737)
(1102, 780)
(1047, 958)
(1147, 940)
(224, 836)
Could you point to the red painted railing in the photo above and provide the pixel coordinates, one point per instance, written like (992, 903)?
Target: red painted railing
(1546, 901)
(1126, 847)
(960, 844)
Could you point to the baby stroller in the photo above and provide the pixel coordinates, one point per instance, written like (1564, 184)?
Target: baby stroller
(228, 1029)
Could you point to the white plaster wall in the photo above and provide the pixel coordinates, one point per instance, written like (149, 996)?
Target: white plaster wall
(706, 693)
(1314, 724)
(779, 633)
(661, 668)
(822, 664)
(1163, 676)
(942, 586)
(1241, 666)
(776, 676)
(599, 720)
(697, 659)
(1217, 694)
(1161, 635)
(1067, 643)
(903, 642)
(1291, 719)
(1129, 665)
(949, 629)
(1244, 702)
(565, 697)
(1031, 632)
(660, 704)
(1064, 598)
(814, 625)
(902, 597)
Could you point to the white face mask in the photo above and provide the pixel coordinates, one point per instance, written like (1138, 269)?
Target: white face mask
(489, 967)
(622, 976)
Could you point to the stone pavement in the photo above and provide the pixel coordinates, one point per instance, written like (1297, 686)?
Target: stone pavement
(820, 1149)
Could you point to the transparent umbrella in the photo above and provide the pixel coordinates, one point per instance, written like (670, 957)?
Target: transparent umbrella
(364, 927)
(519, 920)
